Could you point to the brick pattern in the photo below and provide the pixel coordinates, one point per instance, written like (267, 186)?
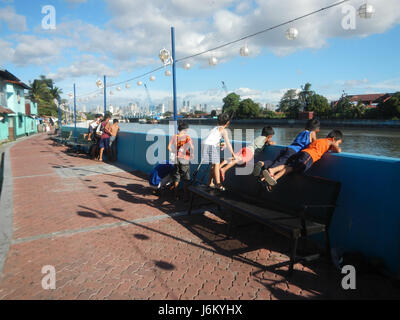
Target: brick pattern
(170, 258)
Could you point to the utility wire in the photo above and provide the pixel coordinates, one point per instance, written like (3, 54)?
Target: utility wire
(228, 43)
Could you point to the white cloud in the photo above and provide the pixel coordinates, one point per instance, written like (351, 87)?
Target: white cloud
(32, 50)
(137, 30)
(88, 65)
(14, 21)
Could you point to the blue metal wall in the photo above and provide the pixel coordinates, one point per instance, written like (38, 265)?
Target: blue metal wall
(367, 218)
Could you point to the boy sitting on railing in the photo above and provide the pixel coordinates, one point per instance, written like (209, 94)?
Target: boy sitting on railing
(303, 161)
(247, 154)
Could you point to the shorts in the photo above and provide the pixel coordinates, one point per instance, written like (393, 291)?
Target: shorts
(104, 143)
(246, 154)
(112, 140)
(300, 162)
(211, 154)
(181, 170)
(283, 157)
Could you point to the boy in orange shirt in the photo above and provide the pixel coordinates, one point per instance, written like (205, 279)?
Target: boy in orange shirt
(303, 161)
(181, 146)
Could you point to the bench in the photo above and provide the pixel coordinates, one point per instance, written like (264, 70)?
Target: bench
(63, 138)
(80, 143)
(298, 207)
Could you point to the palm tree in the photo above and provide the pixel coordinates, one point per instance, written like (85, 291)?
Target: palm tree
(38, 91)
(56, 93)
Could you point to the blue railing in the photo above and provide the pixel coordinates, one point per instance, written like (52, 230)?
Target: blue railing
(367, 218)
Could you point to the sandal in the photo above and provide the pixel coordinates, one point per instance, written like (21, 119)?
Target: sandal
(271, 181)
(257, 169)
(220, 188)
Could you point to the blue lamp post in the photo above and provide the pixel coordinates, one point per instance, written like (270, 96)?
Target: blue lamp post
(174, 79)
(75, 135)
(105, 95)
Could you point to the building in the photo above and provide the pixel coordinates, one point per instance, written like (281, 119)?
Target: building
(369, 100)
(17, 114)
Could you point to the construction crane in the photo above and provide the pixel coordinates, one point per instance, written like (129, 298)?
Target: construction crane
(151, 105)
(225, 87)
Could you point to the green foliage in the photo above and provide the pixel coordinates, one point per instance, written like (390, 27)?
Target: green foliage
(43, 92)
(391, 108)
(90, 116)
(231, 103)
(289, 103)
(319, 105)
(247, 109)
(213, 113)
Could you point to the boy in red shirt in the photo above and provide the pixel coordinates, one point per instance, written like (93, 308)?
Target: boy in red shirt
(303, 161)
(181, 145)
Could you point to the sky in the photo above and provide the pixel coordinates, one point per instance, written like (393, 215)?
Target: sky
(122, 39)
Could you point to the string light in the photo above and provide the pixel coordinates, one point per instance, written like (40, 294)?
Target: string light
(168, 73)
(244, 51)
(166, 58)
(186, 66)
(366, 11)
(292, 34)
(213, 61)
(139, 83)
(152, 78)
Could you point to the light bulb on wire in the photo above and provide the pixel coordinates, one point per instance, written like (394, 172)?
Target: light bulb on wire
(366, 11)
(292, 34)
(244, 51)
(213, 61)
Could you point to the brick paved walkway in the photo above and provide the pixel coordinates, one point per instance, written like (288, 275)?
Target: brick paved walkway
(109, 237)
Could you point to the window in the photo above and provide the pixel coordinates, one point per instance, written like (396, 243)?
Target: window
(20, 120)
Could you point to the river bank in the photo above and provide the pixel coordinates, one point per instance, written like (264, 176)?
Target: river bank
(291, 123)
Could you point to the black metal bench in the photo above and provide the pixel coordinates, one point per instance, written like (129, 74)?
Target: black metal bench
(299, 206)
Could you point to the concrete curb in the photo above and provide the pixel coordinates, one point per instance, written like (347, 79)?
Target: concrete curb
(7, 203)
(6, 209)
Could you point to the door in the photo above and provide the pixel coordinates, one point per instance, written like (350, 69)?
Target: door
(11, 125)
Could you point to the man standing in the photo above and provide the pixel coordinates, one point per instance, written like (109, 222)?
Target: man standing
(113, 139)
(105, 137)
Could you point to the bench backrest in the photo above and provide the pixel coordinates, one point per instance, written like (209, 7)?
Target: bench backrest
(66, 134)
(291, 194)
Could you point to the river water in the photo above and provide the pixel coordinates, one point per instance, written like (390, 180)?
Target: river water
(378, 142)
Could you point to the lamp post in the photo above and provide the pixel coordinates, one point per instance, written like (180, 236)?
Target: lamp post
(75, 136)
(105, 95)
(174, 79)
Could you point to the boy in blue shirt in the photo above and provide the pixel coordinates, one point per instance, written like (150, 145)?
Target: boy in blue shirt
(302, 141)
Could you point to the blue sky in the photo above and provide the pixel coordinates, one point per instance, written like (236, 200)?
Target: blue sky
(122, 39)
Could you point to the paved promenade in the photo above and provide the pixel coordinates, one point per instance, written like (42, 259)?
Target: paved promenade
(109, 237)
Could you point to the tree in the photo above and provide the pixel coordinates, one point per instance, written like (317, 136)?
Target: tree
(289, 103)
(318, 104)
(343, 108)
(248, 109)
(56, 93)
(231, 103)
(43, 93)
(391, 108)
(213, 113)
(304, 97)
(38, 91)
